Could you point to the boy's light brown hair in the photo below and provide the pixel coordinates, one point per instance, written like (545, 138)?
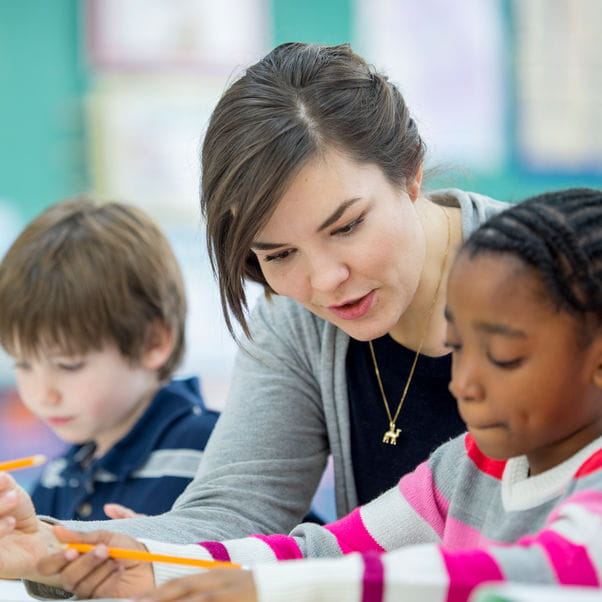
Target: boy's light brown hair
(84, 274)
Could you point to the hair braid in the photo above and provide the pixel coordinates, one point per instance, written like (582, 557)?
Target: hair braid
(559, 234)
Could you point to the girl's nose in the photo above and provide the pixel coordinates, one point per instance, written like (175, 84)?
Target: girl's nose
(465, 384)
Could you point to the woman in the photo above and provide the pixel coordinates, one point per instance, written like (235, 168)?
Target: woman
(311, 186)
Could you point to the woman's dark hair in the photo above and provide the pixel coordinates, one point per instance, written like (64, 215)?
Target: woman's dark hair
(298, 101)
(558, 234)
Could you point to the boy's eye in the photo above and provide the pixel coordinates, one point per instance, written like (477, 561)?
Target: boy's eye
(71, 367)
(279, 256)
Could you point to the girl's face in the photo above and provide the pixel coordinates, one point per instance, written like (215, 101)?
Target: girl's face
(523, 382)
(346, 244)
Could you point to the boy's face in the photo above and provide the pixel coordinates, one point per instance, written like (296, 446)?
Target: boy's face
(524, 383)
(97, 396)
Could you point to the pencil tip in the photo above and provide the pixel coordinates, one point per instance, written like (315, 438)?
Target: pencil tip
(39, 459)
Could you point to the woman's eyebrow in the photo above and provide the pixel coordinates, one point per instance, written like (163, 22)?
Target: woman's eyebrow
(336, 214)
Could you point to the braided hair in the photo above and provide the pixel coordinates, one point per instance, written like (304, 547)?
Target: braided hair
(559, 235)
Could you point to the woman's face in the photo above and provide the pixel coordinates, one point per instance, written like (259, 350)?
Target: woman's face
(345, 243)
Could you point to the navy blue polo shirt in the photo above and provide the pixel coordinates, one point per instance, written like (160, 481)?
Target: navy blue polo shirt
(145, 471)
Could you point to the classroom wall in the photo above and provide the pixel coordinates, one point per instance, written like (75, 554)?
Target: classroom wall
(505, 92)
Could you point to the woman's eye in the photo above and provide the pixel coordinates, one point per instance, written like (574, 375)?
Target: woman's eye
(279, 256)
(350, 227)
(455, 347)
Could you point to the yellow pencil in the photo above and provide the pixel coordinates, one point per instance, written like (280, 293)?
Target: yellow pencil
(23, 462)
(150, 557)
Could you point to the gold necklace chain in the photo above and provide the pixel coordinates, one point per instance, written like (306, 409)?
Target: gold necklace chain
(391, 435)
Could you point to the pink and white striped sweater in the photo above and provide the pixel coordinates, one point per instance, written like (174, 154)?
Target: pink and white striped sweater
(460, 519)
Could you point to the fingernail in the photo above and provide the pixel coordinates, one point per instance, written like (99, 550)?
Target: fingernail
(71, 554)
(9, 521)
(101, 551)
(10, 496)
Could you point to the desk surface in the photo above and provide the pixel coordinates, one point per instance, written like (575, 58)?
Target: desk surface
(13, 590)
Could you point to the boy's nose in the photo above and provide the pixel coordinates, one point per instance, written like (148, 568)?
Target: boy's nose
(48, 395)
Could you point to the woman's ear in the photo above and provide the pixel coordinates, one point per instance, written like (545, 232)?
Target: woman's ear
(160, 343)
(414, 184)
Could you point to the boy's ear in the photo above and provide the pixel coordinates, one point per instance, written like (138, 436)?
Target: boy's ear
(160, 343)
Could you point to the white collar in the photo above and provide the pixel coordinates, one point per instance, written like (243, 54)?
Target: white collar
(520, 491)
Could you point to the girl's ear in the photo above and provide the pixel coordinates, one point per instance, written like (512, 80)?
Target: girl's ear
(414, 184)
(159, 346)
(597, 375)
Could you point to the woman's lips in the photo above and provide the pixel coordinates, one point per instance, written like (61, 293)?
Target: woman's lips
(355, 309)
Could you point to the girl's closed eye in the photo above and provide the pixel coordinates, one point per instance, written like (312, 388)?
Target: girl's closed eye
(21, 365)
(506, 364)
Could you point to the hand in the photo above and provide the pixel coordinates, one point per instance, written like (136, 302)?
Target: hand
(24, 538)
(216, 585)
(119, 511)
(94, 574)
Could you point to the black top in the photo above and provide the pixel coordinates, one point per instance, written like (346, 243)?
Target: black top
(428, 416)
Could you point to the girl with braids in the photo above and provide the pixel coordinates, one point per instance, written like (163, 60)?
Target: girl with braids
(517, 498)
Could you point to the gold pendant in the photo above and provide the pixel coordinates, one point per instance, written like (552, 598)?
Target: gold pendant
(391, 435)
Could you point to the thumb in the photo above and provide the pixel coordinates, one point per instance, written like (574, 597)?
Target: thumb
(92, 537)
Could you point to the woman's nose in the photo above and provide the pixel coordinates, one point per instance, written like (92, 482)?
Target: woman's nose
(327, 273)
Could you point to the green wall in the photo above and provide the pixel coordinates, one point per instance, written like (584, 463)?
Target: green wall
(42, 82)
(43, 79)
(323, 21)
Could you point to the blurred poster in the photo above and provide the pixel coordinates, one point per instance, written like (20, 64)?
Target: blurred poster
(156, 34)
(559, 84)
(449, 61)
(145, 135)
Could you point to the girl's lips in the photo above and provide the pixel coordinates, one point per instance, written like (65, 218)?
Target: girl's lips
(357, 309)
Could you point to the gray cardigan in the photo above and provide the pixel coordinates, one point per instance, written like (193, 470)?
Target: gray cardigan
(287, 411)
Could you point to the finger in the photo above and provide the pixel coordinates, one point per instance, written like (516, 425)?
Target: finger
(7, 525)
(83, 575)
(119, 511)
(99, 581)
(6, 481)
(9, 499)
(54, 563)
(92, 537)
(175, 589)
